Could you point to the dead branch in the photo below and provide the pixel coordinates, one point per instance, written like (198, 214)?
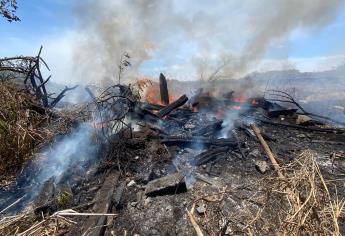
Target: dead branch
(61, 95)
(267, 150)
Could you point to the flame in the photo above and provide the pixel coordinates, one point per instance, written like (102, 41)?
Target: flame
(239, 99)
(152, 93)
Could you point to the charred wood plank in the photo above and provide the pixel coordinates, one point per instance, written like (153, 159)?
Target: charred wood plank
(167, 185)
(176, 104)
(284, 112)
(103, 204)
(118, 194)
(198, 140)
(208, 129)
(144, 114)
(150, 106)
(163, 87)
(210, 155)
(311, 129)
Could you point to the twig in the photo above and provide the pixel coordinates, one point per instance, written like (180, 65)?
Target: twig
(267, 150)
(195, 225)
(14, 203)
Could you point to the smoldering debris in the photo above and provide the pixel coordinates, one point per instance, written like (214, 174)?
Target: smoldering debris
(195, 156)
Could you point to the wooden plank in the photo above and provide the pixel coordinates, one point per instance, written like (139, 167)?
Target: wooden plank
(95, 225)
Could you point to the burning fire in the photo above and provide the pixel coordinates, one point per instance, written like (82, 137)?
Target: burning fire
(152, 93)
(240, 99)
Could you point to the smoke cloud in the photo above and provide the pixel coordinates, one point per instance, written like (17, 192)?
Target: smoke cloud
(214, 38)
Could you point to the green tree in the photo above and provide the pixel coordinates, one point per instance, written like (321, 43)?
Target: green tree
(8, 9)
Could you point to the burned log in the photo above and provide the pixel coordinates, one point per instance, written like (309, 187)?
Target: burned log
(208, 129)
(281, 112)
(210, 155)
(166, 110)
(150, 106)
(163, 86)
(169, 140)
(166, 185)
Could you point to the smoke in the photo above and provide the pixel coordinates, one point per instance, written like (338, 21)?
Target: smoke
(188, 38)
(71, 149)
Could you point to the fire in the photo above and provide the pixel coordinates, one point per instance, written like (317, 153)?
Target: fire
(152, 93)
(239, 99)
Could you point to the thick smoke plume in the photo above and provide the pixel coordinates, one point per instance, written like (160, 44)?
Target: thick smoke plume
(188, 38)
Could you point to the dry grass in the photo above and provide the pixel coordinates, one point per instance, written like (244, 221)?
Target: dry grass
(26, 224)
(299, 204)
(22, 129)
(302, 202)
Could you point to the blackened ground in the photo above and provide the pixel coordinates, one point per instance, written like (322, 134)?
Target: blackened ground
(221, 192)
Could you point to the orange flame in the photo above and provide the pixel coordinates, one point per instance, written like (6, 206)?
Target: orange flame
(240, 99)
(152, 94)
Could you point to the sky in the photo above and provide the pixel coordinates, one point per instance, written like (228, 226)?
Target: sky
(56, 24)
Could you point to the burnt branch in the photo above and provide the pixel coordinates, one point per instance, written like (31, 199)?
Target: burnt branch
(61, 95)
(280, 96)
(34, 82)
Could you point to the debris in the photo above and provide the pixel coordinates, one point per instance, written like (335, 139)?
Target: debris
(285, 112)
(267, 150)
(195, 225)
(201, 209)
(301, 136)
(118, 194)
(168, 185)
(103, 203)
(171, 140)
(210, 155)
(262, 166)
(302, 119)
(131, 183)
(163, 89)
(172, 106)
(255, 153)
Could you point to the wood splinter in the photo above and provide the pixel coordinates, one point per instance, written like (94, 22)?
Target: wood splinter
(195, 225)
(267, 150)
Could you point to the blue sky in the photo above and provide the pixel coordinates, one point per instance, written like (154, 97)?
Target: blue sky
(52, 23)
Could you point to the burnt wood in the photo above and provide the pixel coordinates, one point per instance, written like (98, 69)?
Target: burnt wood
(176, 104)
(103, 204)
(208, 129)
(317, 129)
(163, 86)
(199, 140)
(210, 155)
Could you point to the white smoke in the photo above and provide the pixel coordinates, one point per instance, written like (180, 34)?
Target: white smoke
(76, 147)
(231, 36)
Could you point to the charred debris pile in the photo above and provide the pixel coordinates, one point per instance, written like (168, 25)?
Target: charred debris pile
(202, 165)
(28, 120)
